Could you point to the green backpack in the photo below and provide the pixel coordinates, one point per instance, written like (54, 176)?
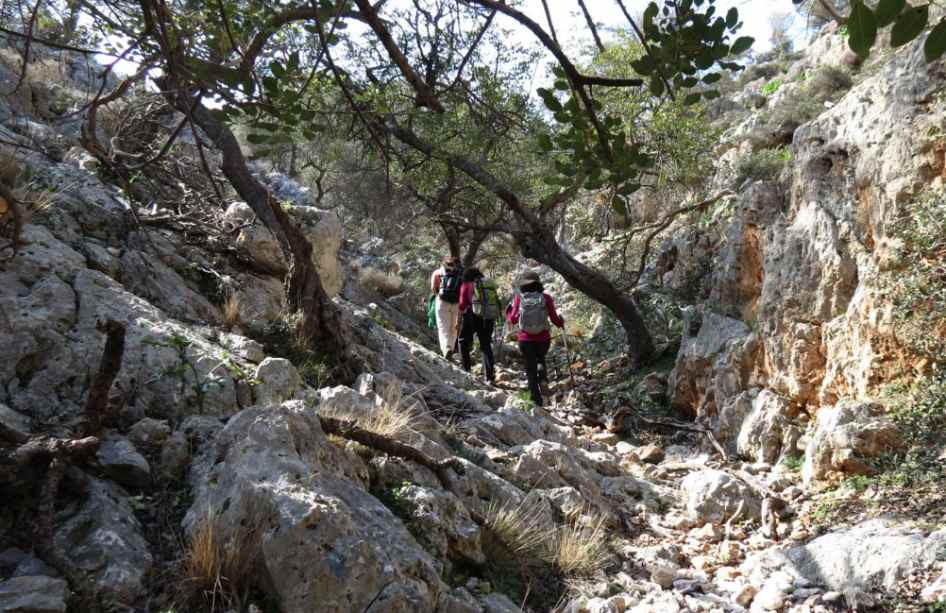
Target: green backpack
(486, 299)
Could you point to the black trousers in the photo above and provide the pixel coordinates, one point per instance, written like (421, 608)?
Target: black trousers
(474, 326)
(534, 353)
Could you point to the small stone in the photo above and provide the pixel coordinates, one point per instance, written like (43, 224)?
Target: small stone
(830, 597)
(662, 574)
(605, 438)
(729, 552)
(620, 602)
(709, 532)
(651, 454)
(728, 573)
(148, 434)
(745, 595)
(175, 457)
(122, 463)
(624, 448)
(770, 597)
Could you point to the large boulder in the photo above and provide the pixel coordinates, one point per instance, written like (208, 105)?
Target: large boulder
(767, 431)
(872, 556)
(718, 357)
(33, 595)
(122, 463)
(325, 544)
(713, 496)
(845, 436)
(103, 542)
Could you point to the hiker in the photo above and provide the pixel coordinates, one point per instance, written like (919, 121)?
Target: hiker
(479, 310)
(532, 309)
(445, 285)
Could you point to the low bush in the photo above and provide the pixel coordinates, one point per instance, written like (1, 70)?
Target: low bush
(764, 165)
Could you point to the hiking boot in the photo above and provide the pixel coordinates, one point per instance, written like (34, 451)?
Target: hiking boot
(449, 355)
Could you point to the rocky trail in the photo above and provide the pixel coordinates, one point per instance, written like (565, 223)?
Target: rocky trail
(170, 444)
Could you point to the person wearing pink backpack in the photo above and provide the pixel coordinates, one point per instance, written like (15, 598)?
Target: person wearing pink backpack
(532, 309)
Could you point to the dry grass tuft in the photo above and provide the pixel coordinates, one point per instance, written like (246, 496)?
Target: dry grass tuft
(231, 312)
(580, 549)
(519, 527)
(385, 283)
(389, 419)
(219, 571)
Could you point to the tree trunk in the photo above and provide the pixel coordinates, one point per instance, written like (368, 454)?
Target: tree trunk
(473, 249)
(453, 239)
(321, 327)
(640, 345)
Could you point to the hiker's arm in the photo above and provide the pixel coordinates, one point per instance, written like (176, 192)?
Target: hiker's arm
(557, 319)
(435, 282)
(466, 296)
(513, 313)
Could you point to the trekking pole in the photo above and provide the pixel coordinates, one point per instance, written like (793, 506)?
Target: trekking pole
(568, 357)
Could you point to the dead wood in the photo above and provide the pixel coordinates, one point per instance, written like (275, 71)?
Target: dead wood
(349, 430)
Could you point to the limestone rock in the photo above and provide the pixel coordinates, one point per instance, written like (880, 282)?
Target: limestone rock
(650, 454)
(102, 540)
(845, 435)
(872, 554)
(715, 496)
(175, 457)
(148, 434)
(441, 521)
(33, 595)
(717, 353)
(122, 463)
(326, 544)
(762, 433)
(278, 380)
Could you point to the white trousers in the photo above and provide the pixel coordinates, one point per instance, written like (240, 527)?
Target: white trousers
(447, 325)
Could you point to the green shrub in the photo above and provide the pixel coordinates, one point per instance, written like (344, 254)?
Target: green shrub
(764, 165)
(771, 87)
(917, 285)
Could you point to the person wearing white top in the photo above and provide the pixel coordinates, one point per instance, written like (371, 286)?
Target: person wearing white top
(445, 285)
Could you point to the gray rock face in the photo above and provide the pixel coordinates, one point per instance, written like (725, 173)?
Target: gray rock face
(845, 436)
(762, 435)
(871, 556)
(278, 380)
(717, 353)
(102, 541)
(713, 496)
(275, 464)
(33, 595)
(122, 463)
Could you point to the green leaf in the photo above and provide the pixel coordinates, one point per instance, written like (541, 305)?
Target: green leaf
(656, 87)
(861, 29)
(741, 45)
(562, 85)
(712, 77)
(909, 25)
(935, 44)
(732, 17)
(692, 99)
(548, 97)
(711, 94)
(545, 143)
(887, 11)
(645, 65)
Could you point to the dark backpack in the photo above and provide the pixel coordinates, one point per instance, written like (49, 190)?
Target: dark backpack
(533, 313)
(450, 282)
